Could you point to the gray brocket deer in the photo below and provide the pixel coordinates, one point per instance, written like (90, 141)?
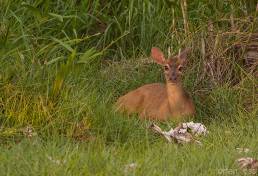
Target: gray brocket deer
(161, 101)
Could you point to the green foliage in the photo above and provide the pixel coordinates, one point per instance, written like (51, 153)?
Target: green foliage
(63, 73)
(89, 56)
(63, 64)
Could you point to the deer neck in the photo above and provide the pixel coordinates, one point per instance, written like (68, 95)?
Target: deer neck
(175, 93)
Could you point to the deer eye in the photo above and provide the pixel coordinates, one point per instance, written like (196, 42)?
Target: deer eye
(166, 68)
(180, 68)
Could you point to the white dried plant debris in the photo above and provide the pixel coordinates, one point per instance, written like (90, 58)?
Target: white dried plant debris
(243, 150)
(56, 161)
(248, 164)
(179, 134)
(182, 137)
(29, 131)
(196, 128)
(158, 130)
(130, 167)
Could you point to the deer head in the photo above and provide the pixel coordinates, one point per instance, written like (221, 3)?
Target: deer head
(173, 66)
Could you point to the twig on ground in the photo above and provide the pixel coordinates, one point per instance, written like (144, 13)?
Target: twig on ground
(248, 164)
(180, 134)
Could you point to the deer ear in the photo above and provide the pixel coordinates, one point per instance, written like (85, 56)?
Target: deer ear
(158, 56)
(183, 55)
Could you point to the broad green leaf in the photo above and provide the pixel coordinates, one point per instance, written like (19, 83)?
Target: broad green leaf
(89, 56)
(54, 60)
(62, 73)
(58, 17)
(65, 45)
(36, 12)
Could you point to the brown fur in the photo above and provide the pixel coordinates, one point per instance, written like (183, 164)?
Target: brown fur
(160, 101)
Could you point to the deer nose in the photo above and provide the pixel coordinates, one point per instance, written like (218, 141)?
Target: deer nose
(173, 77)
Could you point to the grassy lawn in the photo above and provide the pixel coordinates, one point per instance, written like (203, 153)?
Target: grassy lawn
(152, 155)
(63, 64)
